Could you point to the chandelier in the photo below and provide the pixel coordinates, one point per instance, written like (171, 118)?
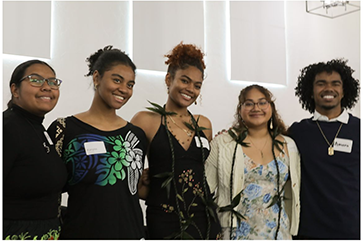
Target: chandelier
(331, 8)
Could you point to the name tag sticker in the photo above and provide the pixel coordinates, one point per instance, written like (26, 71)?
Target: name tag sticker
(204, 142)
(94, 147)
(343, 145)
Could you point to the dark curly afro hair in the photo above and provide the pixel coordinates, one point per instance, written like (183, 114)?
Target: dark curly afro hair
(183, 56)
(304, 89)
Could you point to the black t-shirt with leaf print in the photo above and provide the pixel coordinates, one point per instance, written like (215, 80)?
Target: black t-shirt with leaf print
(104, 168)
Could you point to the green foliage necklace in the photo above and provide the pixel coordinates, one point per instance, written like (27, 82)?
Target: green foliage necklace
(184, 220)
(277, 199)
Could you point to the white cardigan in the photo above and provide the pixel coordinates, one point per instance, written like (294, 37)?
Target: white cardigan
(218, 171)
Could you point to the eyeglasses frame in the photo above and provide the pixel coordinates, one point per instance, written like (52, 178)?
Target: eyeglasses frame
(257, 103)
(44, 80)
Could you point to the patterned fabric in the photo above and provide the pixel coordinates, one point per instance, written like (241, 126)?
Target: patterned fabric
(121, 157)
(32, 229)
(162, 217)
(260, 188)
(51, 235)
(104, 168)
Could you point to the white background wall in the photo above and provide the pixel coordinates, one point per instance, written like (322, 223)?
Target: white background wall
(78, 29)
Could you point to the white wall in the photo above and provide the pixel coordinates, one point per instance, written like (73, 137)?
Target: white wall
(80, 28)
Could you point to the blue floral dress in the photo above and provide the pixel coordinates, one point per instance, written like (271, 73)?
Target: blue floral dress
(260, 188)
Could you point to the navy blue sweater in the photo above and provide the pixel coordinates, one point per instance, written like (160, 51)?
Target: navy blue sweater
(330, 185)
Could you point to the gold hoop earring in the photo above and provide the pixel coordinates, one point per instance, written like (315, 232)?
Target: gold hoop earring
(271, 124)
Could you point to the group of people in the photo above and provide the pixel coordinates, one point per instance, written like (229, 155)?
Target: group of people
(256, 180)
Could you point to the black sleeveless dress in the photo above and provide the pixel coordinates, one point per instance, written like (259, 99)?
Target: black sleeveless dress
(162, 217)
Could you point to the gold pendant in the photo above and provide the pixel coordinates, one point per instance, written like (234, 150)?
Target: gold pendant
(330, 151)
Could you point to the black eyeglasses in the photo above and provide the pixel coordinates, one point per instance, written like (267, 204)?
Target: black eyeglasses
(262, 104)
(38, 81)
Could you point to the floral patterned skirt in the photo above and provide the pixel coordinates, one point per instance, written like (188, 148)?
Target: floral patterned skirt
(31, 229)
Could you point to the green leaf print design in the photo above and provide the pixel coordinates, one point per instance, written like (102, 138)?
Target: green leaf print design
(112, 167)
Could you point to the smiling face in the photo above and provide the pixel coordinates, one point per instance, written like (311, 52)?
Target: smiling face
(185, 87)
(328, 93)
(115, 87)
(255, 116)
(36, 100)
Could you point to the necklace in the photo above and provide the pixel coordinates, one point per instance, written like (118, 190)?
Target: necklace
(331, 147)
(261, 152)
(187, 132)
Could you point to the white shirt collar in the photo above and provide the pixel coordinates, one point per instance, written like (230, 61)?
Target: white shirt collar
(343, 118)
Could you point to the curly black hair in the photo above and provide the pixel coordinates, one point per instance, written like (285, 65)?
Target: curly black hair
(304, 88)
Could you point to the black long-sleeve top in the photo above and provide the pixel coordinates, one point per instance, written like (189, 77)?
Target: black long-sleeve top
(32, 177)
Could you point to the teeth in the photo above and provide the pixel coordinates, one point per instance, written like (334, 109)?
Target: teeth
(119, 97)
(45, 97)
(328, 97)
(186, 96)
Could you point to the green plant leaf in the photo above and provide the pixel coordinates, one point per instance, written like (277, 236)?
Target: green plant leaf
(163, 175)
(240, 138)
(167, 183)
(186, 236)
(158, 109)
(180, 197)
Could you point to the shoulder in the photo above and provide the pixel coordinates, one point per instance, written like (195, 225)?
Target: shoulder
(9, 118)
(148, 121)
(288, 140)
(300, 126)
(301, 122)
(61, 121)
(13, 124)
(353, 119)
(144, 117)
(137, 130)
(203, 121)
(223, 139)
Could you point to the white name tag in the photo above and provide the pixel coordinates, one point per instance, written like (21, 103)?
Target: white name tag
(204, 142)
(48, 138)
(94, 147)
(343, 145)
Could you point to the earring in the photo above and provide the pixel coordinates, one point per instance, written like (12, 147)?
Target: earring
(195, 102)
(95, 87)
(271, 125)
(168, 90)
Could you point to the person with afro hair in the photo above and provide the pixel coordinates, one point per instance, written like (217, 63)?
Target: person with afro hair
(329, 145)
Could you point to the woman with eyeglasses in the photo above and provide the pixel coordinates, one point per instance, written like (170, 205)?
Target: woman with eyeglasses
(255, 171)
(104, 155)
(33, 173)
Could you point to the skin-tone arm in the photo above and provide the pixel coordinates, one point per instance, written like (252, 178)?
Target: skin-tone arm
(149, 123)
